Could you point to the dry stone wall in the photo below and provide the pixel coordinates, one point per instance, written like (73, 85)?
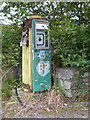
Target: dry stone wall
(65, 75)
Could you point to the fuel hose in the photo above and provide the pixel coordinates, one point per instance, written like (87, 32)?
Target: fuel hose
(17, 76)
(18, 65)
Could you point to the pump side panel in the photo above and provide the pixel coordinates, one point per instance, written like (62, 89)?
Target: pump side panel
(30, 57)
(27, 62)
(41, 65)
(25, 65)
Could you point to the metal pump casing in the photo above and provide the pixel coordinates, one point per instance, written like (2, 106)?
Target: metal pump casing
(36, 58)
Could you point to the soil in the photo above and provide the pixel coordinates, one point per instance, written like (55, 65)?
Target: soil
(44, 105)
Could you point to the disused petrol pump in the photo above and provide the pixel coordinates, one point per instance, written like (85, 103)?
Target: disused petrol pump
(36, 59)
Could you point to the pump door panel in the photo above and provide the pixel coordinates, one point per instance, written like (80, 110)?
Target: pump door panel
(41, 58)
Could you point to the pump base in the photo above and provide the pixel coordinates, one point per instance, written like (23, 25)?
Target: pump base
(26, 88)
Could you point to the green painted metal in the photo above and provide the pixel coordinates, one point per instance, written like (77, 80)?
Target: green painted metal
(41, 62)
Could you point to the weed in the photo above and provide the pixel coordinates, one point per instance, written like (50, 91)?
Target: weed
(7, 86)
(57, 87)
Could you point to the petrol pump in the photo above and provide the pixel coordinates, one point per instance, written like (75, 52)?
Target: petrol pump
(36, 59)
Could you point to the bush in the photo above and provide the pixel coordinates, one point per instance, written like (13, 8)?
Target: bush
(11, 37)
(71, 44)
(9, 82)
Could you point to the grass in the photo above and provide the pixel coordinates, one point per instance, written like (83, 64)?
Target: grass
(7, 88)
(65, 109)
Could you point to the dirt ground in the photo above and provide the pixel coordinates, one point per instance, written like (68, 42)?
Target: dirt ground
(44, 105)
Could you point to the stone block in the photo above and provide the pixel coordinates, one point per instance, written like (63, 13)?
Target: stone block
(85, 80)
(61, 82)
(68, 93)
(85, 75)
(67, 84)
(65, 73)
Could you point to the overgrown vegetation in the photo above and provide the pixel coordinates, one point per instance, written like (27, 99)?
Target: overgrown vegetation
(69, 31)
(82, 88)
(10, 44)
(57, 87)
(11, 36)
(7, 88)
(71, 44)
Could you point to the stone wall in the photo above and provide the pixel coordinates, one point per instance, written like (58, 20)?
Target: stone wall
(67, 85)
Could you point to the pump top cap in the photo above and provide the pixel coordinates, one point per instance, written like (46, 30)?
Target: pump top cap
(35, 16)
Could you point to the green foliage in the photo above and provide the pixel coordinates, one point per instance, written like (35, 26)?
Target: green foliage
(73, 44)
(58, 88)
(50, 10)
(81, 87)
(11, 36)
(7, 86)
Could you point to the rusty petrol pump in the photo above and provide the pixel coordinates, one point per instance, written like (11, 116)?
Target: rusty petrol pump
(36, 58)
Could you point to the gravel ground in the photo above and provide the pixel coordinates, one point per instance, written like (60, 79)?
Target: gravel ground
(48, 105)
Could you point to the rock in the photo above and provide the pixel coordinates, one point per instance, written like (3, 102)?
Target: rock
(68, 92)
(61, 82)
(64, 74)
(86, 74)
(67, 85)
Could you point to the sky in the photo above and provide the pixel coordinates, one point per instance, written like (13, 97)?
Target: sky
(3, 19)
